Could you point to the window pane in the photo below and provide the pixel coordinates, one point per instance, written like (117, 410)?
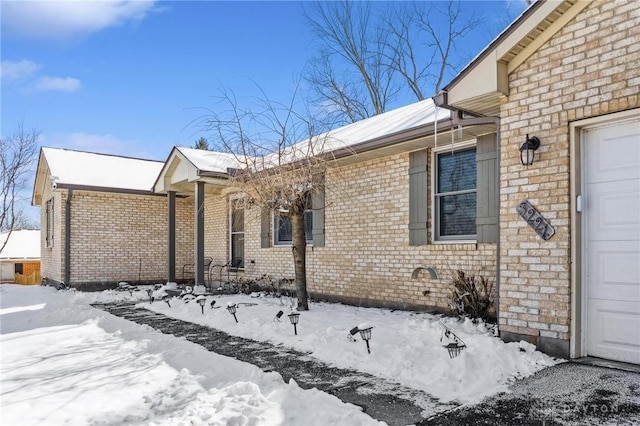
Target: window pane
(283, 229)
(308, 225)
(457, 214)
(237, 219)
(457, 171)
(237, 250)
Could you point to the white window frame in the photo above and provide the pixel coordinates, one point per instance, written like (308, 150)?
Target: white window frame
(232, 199)
(435, 229)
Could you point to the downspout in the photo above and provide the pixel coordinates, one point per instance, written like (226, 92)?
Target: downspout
(498, 145)
(67, 238)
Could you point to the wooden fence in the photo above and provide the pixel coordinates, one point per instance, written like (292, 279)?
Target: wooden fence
(31, 279)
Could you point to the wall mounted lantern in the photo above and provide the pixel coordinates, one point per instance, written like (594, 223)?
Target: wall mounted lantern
(528, 149)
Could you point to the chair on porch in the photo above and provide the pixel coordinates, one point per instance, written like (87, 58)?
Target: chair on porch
(231, 266)
(190, 268)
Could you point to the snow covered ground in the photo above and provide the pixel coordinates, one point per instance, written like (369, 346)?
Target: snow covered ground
(65, 362)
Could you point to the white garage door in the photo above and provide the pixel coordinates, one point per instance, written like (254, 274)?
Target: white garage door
(611, 238)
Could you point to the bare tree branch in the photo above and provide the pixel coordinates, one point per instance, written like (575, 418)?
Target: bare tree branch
(444, 42)
(365, 60)
(17, 152)
(366, 85)
(280, 161)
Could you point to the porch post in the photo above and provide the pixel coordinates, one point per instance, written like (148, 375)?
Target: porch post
(171, 235)
(199, 234)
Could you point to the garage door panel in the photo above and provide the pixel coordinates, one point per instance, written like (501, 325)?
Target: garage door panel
(609, 326)
(616, 154)
(614, 210)
(611, 241)
(613, 271)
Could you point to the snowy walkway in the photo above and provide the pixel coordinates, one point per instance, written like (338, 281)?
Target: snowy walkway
(379, 398)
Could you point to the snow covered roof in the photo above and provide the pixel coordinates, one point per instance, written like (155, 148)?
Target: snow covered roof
(22, 244)
(350, 136)
(209, 160)
(386, 124)
(69, 167)
(186, 165)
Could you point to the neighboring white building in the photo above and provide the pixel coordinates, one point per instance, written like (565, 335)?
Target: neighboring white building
(20, 255)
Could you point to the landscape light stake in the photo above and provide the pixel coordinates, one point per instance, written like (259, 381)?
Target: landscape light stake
(231, 307)
(278, 316)
(166, 299)
(365, 333)
(150, 294)
(352, 333)
(294, 317)
(201, 301)
(213, 303)
(454, 348)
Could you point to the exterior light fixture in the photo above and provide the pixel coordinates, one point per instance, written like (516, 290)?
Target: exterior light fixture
(365, 333)
(352, 333)
(201, 301)
(150, 294)
(213, 303)
(294, 317)
(528, 149)
(278, 316)
(166, 298)
(454, 348)
(231, 307)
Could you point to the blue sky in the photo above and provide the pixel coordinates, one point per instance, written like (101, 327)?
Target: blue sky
(128, 77)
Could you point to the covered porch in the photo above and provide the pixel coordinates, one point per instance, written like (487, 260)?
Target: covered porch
(195, 174)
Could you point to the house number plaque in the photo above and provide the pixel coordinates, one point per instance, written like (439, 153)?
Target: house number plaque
(535, 220)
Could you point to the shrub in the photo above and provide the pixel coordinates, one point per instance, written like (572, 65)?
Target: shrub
(472, 296)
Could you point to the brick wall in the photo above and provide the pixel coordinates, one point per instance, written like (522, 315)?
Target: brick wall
(115, 237)
(51, 259)
(216, 228)
(589, 68)
(122, 237)
(367, 258)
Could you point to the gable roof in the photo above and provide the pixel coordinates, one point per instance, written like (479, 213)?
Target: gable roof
(480, 85)
(89, 170)
(22, 244)
(187, 165)
(208, 160)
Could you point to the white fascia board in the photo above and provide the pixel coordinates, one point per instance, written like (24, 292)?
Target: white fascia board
(485, 78)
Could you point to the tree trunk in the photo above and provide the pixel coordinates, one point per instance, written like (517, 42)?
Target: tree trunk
(299, 248)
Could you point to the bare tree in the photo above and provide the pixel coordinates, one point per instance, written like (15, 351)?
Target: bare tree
(17, 152)
(280, 163)
(364, 86)
(422, 52)
(366, 60)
